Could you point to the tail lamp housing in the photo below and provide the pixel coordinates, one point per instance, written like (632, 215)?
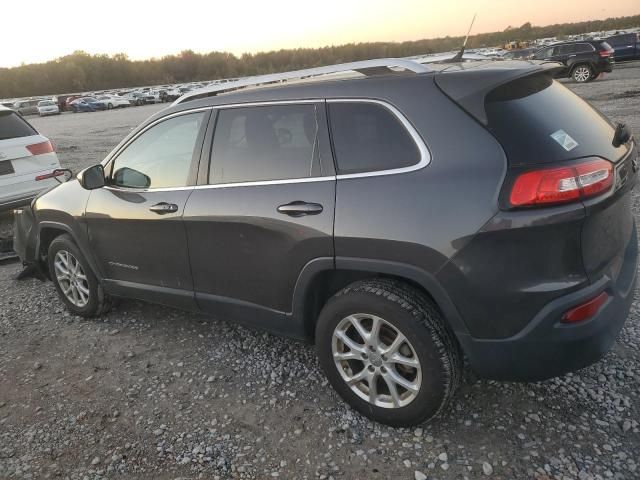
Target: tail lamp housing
(559, 185)
(41, 148)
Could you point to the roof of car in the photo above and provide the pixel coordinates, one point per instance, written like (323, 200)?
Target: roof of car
(376, 86)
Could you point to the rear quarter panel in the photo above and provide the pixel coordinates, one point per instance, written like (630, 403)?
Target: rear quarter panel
(423, 218)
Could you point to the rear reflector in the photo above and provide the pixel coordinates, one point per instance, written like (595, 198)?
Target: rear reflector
(562, 185)
(586, 310)
(40, 148)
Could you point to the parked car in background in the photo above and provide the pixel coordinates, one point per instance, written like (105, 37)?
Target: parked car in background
(26, 107)
(24, 156)
(48, 107)
(523, 54)
(136, 98)
(153, 96)
(114, 101)
(69, 100)
(583, 61)
(87, 104)
(625, 46)
(513, 251)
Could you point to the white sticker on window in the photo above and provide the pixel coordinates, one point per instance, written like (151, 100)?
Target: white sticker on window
(565, 140)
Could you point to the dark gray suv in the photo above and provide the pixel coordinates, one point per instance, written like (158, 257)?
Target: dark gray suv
(400, 216)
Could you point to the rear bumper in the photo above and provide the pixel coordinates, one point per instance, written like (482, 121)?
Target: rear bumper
(547, 348)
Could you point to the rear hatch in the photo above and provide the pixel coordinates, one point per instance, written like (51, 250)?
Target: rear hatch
(23, 154)
(542, 126)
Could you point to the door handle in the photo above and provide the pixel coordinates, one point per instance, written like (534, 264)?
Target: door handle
(164, 207)
(300, 208)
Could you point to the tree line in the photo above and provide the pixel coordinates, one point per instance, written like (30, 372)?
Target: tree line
(80, 71)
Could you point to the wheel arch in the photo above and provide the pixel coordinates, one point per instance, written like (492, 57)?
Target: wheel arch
(320, 279)
(49, 231)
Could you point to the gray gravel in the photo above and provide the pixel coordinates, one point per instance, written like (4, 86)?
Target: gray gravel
(151, 392)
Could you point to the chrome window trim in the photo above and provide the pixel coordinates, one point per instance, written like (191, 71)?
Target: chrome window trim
(224, 185)
(425, 156)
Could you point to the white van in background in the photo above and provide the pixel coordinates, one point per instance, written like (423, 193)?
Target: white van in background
(24, 156)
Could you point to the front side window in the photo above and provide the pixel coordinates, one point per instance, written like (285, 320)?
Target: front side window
(274, 142)
(369, 137)
(160, 157)
(546, 53)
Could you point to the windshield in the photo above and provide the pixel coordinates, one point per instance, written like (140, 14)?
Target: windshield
(46, 104)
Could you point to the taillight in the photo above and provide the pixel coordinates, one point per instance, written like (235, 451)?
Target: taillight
(586, 310)
(562, 185)
(41, 148)
(606, 53)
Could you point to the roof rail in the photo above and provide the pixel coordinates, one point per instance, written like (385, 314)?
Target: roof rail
(365, 67)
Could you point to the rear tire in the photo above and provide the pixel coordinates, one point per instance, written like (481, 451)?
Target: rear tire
(582, 73)
(411, 347)
(74, 280)
(109, 106)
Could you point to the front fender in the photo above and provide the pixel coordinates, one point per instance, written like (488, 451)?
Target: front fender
(25, 236)
(62, 210)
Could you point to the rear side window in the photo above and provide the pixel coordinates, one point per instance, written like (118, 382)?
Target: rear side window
(368, 137)
(583, 48)
(12, 126)
(565, 49)
(538, 120)
(275, 142)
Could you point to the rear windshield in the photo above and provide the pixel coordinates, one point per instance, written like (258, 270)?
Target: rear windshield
(13, 126)
(538, 120)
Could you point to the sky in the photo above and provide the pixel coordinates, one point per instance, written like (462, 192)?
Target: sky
(46, 29)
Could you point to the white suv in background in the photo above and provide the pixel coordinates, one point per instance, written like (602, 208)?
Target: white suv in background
(25, 155)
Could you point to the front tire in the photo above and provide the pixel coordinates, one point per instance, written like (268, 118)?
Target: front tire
(109, 106)
(582, 73)
(74, 280)
(387, 352)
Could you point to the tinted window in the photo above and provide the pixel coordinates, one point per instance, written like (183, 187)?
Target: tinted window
(565, 49)
(583, 48)
(369, 137)
(546, 53)
(621, 40)
(12, 126)
(161, 156)
(524, 114)
(264, 143)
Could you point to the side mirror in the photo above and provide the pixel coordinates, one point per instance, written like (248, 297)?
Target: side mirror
(130, 178)
(92, 178)
(622, 135)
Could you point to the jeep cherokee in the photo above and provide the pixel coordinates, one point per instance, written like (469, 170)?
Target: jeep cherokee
(400, 216)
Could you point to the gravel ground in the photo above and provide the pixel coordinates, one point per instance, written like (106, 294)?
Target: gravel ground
(151, 392)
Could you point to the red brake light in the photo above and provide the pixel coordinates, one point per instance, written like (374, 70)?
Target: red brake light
(606, 50)
(41, 148)
(562, 185)
(586, 310)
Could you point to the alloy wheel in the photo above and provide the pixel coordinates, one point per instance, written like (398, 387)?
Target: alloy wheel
(582, 74)
(71, 278)
(376, 360)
